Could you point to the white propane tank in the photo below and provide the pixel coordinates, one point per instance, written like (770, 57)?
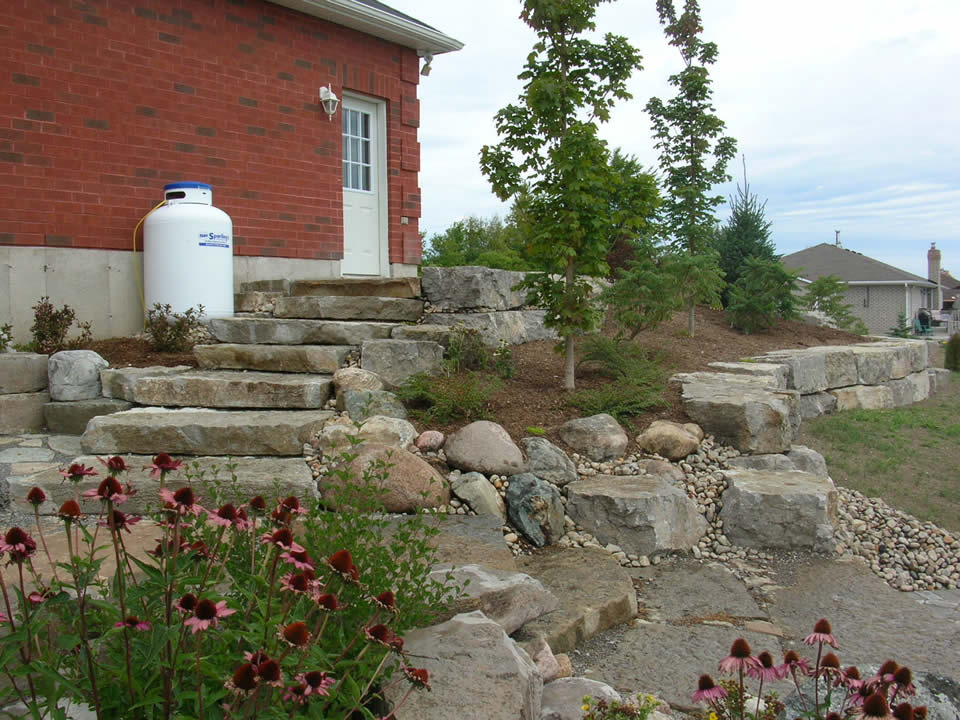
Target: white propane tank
(188, 252)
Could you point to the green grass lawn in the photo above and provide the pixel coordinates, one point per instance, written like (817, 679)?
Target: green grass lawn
(908, 456)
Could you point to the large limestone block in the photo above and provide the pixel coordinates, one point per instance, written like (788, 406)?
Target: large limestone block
(918, 354)
(816, 404)
(768, 462)
(839, 365)
(476, 671)
(562, 699)
(119, 383)
(641, 514)
(535, 509)
(353, 378)
(22, 412)
(22, 372)
(319, 359)
(776, 371)
(599, 437)
(234, 389)
(817, 369)
(510, 599)
(71, 418)
(254, 476)
(396, 361)
(864, 397)
(407, 481)
(512, 326)
(484, 447)
(668, 439)
(807, 460)
(362, 404)
(874, 364)
(940, 378)
(921, 385)
(75, 374)
(348, 308)
(902, 390)
(400, 287)
(450, 289)
(548, 462)
(479, 493)
(900, 357)
(275, 331)
(750, 418)
(191, 431)
(433, 333)
(789, 510)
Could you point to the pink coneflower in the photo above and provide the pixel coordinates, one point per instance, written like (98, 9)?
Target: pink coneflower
(257, 504)
(121, 520)
(69, 511)
(342, 563)
(269, 672)
(884, 674)
(382, 635)
(903, 682)
(163, 463)
(109, 490)
(903, 711)
(40, 597)
(224, 516)
(328, 602)
(792, 663)
(36, 497)
(875, 707)
(317, 683)
(387, 601)
(4, 618)
(830, 665)
(296, 634)
(851, 678)
(418, 676)
(822, 634)
(183, 500)
(297, 694)
(242, 522)
(764, 669)
(299, 559)
(739, 659)
(244, 680)
(133, 623)
(114, 464)
(186, 604)
(281, 517)
(77, 471)
(18, 544)
(255, 658)
(292, 505)
(708, 691)
(282, 538)
(295, 583)
(208, 614)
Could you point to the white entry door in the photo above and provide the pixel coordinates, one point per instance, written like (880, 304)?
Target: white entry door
(364, 188)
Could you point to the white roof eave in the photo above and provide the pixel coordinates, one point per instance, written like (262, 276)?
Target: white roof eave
(426, 41)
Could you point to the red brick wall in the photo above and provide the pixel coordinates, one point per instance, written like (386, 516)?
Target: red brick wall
(102, 102)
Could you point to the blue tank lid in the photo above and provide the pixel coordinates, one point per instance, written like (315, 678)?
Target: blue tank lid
(187, 186)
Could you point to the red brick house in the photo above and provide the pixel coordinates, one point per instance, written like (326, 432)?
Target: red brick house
(106, 101)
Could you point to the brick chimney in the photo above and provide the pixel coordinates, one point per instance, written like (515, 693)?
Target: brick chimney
(933, 275)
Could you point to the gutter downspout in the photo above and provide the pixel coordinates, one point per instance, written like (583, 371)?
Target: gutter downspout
(906, 301)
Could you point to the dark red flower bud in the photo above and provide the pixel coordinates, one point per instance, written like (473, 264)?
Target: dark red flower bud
(269, 671)
(903, 676)
(740, 649)
(258, 503)
(296, 634)
(184, 496)
(705, 683)
(70, 510)
(903, 711)
(830, 661)
(875, 706)
(245, 678)
(36, 497)
(823, 627)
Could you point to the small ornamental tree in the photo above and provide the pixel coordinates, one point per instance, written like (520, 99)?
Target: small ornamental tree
(549, 149)
(694, 152)
(763, 294)
(827, 294)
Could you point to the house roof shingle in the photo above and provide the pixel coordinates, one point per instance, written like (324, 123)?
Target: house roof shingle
(850, 266)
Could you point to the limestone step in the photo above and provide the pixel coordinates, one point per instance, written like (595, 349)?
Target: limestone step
(192, 431)
(324, 359)
(354, 287)
(274, 331)
(234, 389)
(348, 308)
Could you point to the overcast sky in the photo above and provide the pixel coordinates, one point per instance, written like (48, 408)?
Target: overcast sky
(848, 112)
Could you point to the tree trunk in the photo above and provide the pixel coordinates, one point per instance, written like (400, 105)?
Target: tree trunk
(692, 319)
(569, 379)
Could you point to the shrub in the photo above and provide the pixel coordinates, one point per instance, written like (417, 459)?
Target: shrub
(502, 361)
(228, 617)
(50, 328)
(902, 329)
(763, 294)
(448, 398)
(170, 331)
(952, 353)
(826, 294)
(616, 710)
(6, 335)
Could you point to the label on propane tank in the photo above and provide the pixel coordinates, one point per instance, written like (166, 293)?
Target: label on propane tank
(214, 240)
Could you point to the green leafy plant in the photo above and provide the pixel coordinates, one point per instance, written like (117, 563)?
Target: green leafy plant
(645, 291)
(229, 617)
(616, 710)
(827, 294)
(6, 336)
(170, 331)
(501, 361)
(763, 294)
(952, 353)
(50, 328)
(445, 399)
(536, 430)
(902, 329)
(466, 350)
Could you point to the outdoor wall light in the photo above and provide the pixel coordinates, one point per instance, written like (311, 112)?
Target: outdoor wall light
(329, 101)
(428, 58)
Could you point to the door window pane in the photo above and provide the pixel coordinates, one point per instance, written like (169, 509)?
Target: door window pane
(357, 159)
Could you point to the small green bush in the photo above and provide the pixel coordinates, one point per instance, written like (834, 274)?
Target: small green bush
(952, 358)
(902, 329)
(50, 328)
(502, 361)
(466, 350)
(453, 397)
(763, 294)
(6, 335)
(170, 331)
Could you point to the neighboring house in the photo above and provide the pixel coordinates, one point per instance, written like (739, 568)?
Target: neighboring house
(878, 292)
(106, 102)
(950, 288)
